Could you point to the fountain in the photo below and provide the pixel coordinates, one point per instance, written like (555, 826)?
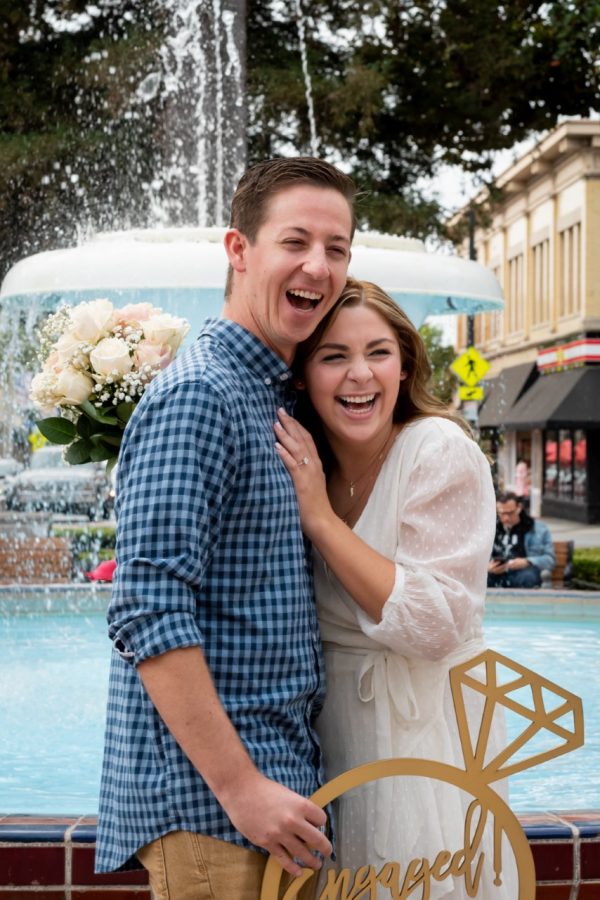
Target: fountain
(182, 269)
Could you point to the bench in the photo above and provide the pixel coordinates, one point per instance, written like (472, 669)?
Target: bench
(562, 571)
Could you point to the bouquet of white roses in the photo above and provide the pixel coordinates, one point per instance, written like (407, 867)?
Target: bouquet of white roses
(97, 361)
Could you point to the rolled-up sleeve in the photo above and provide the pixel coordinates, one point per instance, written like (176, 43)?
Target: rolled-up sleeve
(176, 462)
(444, 541)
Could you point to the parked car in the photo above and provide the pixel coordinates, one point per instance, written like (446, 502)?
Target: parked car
(52, 484)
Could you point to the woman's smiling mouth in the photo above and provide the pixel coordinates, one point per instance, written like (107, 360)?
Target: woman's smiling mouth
(357, 403)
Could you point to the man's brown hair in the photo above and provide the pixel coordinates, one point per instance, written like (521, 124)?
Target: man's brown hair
(265, 179)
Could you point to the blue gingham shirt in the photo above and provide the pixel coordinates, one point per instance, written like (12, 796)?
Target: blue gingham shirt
(210, 552)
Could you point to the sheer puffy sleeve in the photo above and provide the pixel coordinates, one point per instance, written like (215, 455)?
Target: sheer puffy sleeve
(444, 538)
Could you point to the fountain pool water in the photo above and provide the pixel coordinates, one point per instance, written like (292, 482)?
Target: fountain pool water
(53, 674)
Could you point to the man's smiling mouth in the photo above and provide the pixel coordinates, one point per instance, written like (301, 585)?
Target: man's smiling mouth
(304, 300)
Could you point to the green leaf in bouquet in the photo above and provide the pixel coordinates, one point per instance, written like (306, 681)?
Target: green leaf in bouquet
(57, 430)
(110, 465)
(78, 453)
(93, 413)
(125, 410)
(99, 453)
(84, 427)
(114, 440)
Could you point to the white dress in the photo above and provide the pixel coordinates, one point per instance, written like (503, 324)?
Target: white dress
(432, 511)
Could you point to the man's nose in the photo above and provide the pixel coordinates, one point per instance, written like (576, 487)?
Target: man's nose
(316, 264)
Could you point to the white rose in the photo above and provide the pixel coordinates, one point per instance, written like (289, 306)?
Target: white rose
(149, 354)
(67, 345)
(43, 390)
(91, 321)
(111, 356)
(73, 387)
(166, 329)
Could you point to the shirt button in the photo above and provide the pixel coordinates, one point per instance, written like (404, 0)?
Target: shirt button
(268, 380)
(284, 377)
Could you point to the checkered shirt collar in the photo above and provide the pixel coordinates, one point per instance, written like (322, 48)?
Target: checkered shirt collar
(248, 350)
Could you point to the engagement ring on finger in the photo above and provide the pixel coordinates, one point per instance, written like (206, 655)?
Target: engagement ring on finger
(304, 461)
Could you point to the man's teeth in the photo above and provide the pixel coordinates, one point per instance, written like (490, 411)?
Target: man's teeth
(307, 295)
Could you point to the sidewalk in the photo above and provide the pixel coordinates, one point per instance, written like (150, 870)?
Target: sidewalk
(582, 535)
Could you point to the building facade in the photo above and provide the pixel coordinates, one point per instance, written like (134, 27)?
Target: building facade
(540, 416)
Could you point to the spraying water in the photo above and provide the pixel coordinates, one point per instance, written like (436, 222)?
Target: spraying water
(202, 88)
(314, 143)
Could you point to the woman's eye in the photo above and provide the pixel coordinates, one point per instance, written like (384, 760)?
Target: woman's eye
(380, 352)
(332, 357)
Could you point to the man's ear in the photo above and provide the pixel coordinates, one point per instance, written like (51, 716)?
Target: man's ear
(235, 247)
(299, 384)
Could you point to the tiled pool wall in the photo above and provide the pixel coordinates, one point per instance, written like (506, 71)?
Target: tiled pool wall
(53, 859)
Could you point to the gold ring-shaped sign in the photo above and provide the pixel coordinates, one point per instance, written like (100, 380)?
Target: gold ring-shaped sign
(471, 782)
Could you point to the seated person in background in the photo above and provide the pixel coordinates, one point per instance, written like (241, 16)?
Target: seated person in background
(522, 546)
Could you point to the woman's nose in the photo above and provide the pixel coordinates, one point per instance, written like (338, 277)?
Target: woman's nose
(360, 369)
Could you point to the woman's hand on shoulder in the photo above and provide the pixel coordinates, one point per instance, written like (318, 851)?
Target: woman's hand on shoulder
(299, 454)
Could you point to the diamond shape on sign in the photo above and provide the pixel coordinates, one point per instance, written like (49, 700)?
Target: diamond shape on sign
(521, 699)
(566, 721)
(551, 700)
(511, 685)
(506, 675)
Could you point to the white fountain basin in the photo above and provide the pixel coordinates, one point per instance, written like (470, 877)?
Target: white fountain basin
(183, 271)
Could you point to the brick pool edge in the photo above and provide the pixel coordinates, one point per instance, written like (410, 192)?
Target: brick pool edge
(52, 858)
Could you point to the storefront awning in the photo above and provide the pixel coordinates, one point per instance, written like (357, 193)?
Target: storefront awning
(568, 399)
(503, 392)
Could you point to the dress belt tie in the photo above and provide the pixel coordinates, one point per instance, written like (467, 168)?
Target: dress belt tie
(385, 678)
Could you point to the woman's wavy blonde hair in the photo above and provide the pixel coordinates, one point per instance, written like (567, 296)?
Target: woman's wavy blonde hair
(415, 400)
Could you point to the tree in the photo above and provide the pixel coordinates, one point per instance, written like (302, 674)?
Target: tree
(73, 146)
(402, 86)
(444, 381)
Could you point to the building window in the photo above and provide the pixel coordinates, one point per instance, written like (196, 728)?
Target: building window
(541, 282)
(515, 293)
(551, 463)
(579, 466)
(565, 464)
(570, 268)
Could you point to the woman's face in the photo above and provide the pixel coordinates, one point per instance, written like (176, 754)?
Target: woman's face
(353, 377)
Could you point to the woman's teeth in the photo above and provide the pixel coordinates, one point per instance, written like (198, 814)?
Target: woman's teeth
(303, 299)
(358, 404)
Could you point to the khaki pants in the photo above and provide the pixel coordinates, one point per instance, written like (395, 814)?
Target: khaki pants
(187, 866)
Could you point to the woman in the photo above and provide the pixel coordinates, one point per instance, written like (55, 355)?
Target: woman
(402, 521)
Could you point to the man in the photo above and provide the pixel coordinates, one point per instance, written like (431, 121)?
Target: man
(522, 546)
(210, 753)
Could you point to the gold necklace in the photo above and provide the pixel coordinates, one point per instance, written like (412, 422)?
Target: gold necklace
(370, 473)
(373, 461)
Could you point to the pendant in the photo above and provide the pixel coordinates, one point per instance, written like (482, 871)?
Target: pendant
(352, 489)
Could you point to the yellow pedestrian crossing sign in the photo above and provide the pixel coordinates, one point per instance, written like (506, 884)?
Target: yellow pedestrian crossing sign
(470, 393)
(470, 366)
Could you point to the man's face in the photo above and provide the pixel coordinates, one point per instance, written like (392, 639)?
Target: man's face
(509, 513)
(295, 270)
